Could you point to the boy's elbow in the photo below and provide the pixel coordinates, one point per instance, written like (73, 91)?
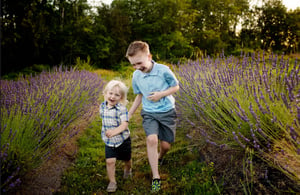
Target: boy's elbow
(177, 88)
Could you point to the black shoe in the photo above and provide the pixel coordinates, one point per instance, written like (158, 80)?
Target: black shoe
(160, 161)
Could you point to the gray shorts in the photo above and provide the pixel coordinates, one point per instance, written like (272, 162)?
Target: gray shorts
(162, 124)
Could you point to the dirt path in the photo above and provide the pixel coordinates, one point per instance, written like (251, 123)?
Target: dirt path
(47, 178)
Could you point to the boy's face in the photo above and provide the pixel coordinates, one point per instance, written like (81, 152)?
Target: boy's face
(141, 61)
(113, 96)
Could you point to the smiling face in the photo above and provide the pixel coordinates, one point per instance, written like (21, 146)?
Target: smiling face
(113, 96)
(141, 61)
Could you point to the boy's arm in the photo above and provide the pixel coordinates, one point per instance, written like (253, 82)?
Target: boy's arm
(112, 132)
(157, 95)
(135, 105)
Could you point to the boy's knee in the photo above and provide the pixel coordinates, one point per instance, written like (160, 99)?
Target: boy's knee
(152, 140)
(165, 145)
(110, 161)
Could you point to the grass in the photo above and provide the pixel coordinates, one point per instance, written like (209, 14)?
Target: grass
(182, 173)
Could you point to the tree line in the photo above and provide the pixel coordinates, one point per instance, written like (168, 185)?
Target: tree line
(57, 32)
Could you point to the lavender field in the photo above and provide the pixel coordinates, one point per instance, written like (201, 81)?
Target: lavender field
(249, 103)
(35, 111)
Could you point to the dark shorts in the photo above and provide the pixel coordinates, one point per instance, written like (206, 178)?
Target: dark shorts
(123, 152)
(162, 124)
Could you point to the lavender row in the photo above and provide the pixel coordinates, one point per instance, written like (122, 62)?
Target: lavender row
(246, 102)
(35, 111)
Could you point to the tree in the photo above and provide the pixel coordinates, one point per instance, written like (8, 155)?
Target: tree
(293, 41)
(216, 24)
(273, 26)
(59, 31)
(23, 29)
(42, 32)
(161, 23)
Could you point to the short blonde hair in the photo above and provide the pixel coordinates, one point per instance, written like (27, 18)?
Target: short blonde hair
(123, 89)
(137, 46)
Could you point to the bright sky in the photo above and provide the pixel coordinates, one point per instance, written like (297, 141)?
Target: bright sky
(98, 2)
(290, 4)
(106, 1)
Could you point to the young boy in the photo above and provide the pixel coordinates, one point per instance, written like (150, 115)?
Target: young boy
(154, 85)
(115, 132)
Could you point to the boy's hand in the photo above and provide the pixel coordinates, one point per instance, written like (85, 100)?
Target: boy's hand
(110, 133)
(129, 115)
(155, 96)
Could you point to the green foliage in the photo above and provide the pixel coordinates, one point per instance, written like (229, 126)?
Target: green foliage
(274, 26)
(125, 70)
(83, 65)
(248, 172)
(60, 32)
(31, 70)
(196, 178)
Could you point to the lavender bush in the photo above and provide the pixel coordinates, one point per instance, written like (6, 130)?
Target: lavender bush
(248, 102)
(35, 111)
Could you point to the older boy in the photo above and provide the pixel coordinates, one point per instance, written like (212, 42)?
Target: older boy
(154, 85)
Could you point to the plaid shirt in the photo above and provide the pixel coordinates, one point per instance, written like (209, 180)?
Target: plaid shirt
(112, 118)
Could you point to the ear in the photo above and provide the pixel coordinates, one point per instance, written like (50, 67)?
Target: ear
(149, 56)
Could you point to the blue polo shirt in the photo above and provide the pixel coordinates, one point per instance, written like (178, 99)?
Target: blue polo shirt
(159, 79)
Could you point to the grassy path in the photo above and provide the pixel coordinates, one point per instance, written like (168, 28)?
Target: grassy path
(88, 173)
(181, 174)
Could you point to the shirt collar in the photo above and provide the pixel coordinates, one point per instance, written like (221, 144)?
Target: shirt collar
(154, 70)
(117, 106)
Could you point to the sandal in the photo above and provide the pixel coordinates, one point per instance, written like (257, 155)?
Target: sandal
(127, 174)
(112, 187)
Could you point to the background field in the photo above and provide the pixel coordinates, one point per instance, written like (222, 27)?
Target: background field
(238, 130)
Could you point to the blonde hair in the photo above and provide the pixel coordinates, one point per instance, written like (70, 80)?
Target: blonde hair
(123, 89)
(137, 46)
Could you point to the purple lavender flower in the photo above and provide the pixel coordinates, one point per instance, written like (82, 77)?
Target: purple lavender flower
(235, 137)
(244, 138)
(294, 135)
(298, 114)
(30, 100)
(211, 142)
(284, 99)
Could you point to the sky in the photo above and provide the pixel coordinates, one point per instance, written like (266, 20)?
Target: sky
(290, 4)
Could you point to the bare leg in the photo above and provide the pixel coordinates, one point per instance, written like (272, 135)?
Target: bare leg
(164, 148)
(111, 168)
(127, 166)
(152, 143)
